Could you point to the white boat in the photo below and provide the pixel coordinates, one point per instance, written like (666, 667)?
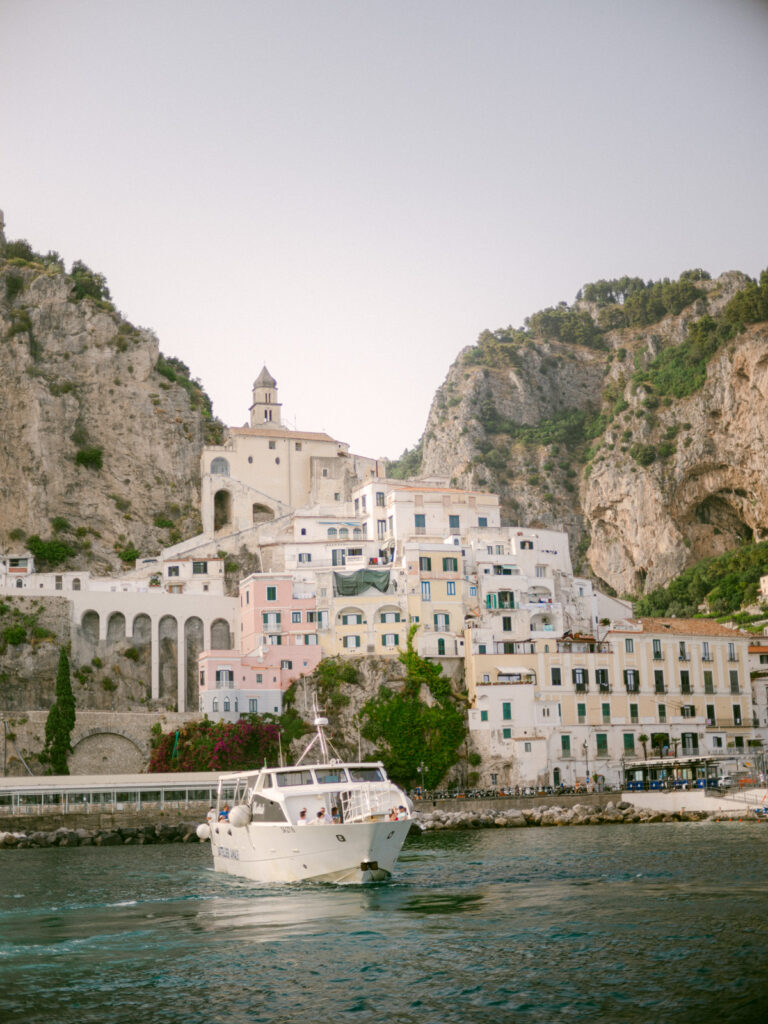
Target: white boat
(356, 821)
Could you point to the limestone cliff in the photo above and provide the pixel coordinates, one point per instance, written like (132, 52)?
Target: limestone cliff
(605, 437)
(101, 437)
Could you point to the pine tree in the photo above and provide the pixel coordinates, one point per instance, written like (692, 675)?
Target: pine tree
(60, 722)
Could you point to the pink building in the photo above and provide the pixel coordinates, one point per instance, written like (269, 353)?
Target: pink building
(278, 644)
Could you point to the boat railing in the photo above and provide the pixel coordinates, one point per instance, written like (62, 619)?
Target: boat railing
(369, 801)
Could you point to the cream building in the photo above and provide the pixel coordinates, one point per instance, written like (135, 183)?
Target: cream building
(551, 712)
(265, 470)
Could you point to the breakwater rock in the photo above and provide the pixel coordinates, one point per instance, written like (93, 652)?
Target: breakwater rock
(579, 814)
(141, 835)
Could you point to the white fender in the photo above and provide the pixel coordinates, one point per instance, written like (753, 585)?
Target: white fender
(203, 832)
(240, 816)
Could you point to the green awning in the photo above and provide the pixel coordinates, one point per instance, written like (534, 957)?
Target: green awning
(357, 582)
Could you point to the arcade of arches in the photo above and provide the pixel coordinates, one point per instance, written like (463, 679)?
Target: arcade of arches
(165, 647)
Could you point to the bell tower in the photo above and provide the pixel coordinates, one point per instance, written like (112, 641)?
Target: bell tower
(265, 408)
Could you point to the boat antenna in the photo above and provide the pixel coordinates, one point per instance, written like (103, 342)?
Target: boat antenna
(319, 738)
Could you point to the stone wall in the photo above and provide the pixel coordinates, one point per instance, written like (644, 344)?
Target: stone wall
(103, 742)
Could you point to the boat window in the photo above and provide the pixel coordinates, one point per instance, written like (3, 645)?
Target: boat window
(365, 774)
(297, 778)
(331, 775)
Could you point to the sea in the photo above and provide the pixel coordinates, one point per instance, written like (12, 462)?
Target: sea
(633, 923)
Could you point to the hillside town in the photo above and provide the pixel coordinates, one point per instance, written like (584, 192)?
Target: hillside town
(564, 686)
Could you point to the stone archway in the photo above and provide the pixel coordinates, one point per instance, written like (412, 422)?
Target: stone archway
(261, 513)
(106, 753)
(221, 639)
(194, 640)
(169, 660)
(89, 627)
(222, 509)
(116, 628)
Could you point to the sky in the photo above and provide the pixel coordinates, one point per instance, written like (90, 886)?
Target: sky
(351, 192)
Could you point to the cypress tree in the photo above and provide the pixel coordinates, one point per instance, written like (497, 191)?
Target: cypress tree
(60, 722)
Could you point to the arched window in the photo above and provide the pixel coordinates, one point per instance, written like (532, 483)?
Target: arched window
(219, 465)
(226, 703)
(75, 584)
(332, 532)
(343, 532)
(357, 533)
(19, 584)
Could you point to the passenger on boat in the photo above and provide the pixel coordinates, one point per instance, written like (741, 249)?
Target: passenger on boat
(224, 813)
(319, 818)
(392, 814)
(335, 816)
(302, 816)
(402, 812)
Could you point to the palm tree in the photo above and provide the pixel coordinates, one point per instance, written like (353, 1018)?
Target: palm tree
(644, 740)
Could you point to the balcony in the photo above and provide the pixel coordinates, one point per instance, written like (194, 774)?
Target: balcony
(582, 647)
(683, 657)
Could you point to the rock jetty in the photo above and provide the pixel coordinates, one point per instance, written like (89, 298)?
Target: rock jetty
(622, 813)
(141, 835)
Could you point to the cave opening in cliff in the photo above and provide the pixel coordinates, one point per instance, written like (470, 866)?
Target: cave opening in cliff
(718, 513)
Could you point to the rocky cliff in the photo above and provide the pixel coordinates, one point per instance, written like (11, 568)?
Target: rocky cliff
(635, 419)
(101, 436)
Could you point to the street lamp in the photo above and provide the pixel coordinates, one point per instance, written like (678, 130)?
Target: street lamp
(585, 748)
(422, 768)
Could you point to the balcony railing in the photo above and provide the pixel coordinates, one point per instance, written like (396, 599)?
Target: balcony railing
(582, 647)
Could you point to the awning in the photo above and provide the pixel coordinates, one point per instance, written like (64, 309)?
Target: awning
(348, 585)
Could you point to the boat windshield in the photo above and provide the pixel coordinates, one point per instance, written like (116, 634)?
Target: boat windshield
(325, 775)
(297, 777)
(359, 774)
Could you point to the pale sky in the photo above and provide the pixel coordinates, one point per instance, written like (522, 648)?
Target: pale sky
(352, 191)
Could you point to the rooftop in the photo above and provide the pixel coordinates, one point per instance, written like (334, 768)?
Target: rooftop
(677, 627)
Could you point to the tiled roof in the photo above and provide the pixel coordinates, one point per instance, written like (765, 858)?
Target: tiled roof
(680, 627)
(289, 435)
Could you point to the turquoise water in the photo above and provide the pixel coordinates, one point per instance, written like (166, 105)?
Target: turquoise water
(662, 923)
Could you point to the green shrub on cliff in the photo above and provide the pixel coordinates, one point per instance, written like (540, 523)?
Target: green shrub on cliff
(409, 732)
(724, 584)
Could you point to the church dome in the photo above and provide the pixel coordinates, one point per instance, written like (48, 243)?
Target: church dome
(265, 379)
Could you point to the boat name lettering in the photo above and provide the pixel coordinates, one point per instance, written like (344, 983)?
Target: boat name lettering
(224, 851)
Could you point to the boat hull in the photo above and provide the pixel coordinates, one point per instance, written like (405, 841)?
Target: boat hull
(352, 853)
